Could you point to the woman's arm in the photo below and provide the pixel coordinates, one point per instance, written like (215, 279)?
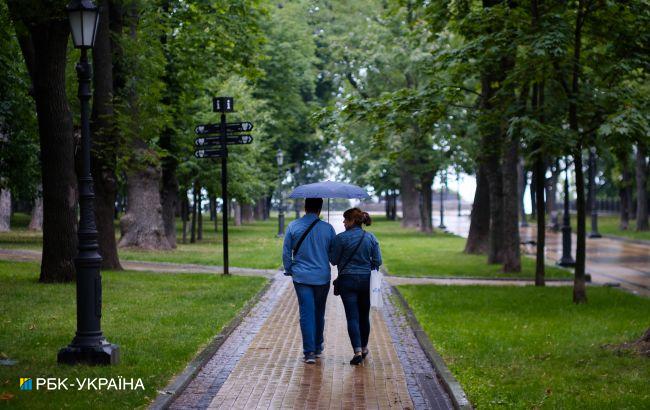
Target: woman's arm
(376, 253)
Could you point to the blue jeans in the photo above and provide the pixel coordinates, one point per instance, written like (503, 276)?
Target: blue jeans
(355, 293)
(311, 302)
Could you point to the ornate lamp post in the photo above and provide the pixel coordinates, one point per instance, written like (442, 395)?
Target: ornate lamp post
(89, 345)
(443, 185)
(280, 158)
(592, 188)
(567, 259)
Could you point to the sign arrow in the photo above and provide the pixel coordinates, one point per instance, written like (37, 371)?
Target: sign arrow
(216, 128)
(230, 140)
(209, 153)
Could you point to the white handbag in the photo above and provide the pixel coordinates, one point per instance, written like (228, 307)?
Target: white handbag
(376, 278)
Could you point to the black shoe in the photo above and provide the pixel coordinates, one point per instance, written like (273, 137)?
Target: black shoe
(356, 360)
(310, 358)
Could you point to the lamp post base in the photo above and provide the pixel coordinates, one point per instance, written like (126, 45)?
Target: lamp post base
(595, 235)
(103, 354)
(566, 262)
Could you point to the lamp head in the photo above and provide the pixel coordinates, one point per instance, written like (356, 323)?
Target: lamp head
(84, 18)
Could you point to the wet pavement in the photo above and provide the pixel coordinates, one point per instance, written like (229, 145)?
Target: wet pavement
(260, 365)
(608, 261)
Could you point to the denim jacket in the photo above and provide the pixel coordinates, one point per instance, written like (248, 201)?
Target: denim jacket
(366, 258)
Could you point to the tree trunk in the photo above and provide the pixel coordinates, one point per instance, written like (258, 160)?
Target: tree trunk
(579, 282)
(510, 222)
(5, 210)
(194, 210)
(533, 196)
(36, 222)
(199, 209)
(479, 227)
(495, 182)
(247, 213)
(184, 215)
(387, 204)
(540, 263)
(213, 207)
(426, 193)
(258, 209)
(142, 225)
(169, 195)
(641, 188)
(523, 183)
(105, 142)
(238, 216)
(44, 44)
(410, 201)
(551, 196)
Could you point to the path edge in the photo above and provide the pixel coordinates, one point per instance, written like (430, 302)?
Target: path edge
(449, 382)
(166, 396)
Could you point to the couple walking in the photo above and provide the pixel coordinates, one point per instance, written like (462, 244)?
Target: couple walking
(310, 245)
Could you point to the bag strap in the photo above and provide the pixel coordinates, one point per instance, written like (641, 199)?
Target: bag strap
(304, 235)
(353, 252)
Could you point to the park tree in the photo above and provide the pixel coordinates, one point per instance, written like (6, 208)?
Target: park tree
(42, 30)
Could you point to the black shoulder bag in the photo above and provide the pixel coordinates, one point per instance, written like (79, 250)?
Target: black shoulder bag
(302, 238)
(335, 282)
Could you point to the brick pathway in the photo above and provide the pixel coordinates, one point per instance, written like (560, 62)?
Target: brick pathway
(260, 365)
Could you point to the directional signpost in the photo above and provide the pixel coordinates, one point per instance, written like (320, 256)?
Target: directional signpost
(213, 143)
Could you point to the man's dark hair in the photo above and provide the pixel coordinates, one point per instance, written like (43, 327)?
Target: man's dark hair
(313, 205)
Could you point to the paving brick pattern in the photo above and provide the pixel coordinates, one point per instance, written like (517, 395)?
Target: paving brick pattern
(421, 380)
(200, 392)
(272, 375)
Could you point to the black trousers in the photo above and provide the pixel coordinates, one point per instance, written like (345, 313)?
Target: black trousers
(355, 293)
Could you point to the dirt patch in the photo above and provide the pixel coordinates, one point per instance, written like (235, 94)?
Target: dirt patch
(640, 347)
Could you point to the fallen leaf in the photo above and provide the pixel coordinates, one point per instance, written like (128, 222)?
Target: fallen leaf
(6, 396)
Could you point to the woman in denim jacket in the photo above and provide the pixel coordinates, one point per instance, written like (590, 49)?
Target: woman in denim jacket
(354, 276)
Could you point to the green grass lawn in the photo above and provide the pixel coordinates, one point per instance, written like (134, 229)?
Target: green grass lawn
(407, 252)
(608, 225)
(532, 348)
(251, 245)
(160, 322)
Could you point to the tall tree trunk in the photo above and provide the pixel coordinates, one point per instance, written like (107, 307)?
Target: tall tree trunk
(495, 182)
(238, 216)
(5, 210)
(511, 252)
(247, 213)
(185, 209)
(44, 44)
(387, 204)
(533, 196)
(169, 192)
(479, 227)
(551, 196)
(410, 200)
(142, 225)
(523, 183)
(579, 282)
(105, 142)
(624, 194)
(641, 188)
(258, 209)
(213, 207)
(36, 222)
(194, 211)
(426, 193)
(540, 263)
(199, 209)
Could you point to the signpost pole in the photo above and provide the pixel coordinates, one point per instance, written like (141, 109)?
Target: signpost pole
(224, 192)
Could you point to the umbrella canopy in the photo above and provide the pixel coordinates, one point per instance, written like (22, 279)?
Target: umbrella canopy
(329, 189)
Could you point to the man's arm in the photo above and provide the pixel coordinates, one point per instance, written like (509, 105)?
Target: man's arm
(287, 250)
(335, 250)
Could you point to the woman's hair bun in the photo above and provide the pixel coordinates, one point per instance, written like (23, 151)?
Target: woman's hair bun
(357, 216)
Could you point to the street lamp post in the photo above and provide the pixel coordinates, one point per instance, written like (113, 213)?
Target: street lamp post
(592, 188)
(567, 259)
(89, 345)
(443, 185)
(280, 158)
(458, 193)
